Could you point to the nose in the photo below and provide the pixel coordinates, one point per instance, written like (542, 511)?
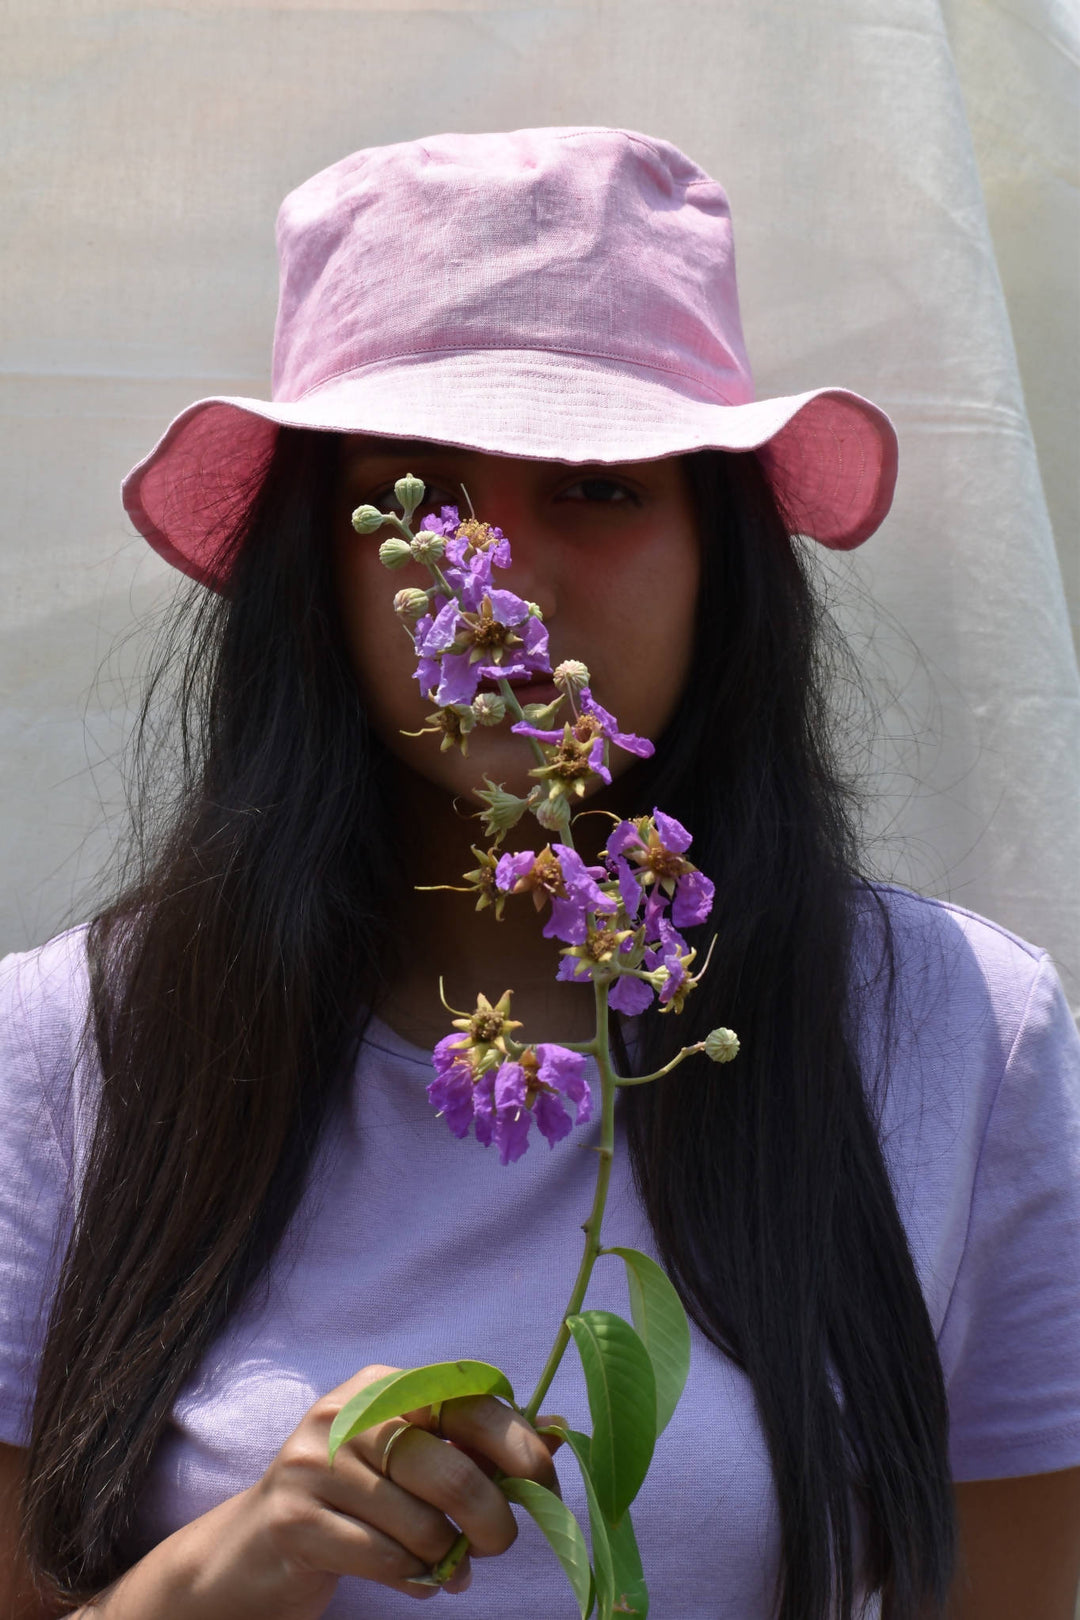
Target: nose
(504, 504)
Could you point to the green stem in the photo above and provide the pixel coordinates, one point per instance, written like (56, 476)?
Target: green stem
(518, 712)
(640, 1079)
(591, 1227)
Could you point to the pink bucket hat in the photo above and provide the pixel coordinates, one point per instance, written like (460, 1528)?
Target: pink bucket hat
(564, 294)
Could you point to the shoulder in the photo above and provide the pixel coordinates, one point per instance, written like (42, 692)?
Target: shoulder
(44, 998)
(957, 977)
(44, 992)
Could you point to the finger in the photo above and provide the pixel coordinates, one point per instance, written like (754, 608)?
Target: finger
(444, 1476)
(333, 1541)
(552, 1441)
(481, 1424)
(355, 1488)
(335, 1399)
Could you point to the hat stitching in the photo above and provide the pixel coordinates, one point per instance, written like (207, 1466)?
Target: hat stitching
(521, 348)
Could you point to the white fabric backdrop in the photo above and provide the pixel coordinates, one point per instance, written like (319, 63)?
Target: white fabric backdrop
(903, 176)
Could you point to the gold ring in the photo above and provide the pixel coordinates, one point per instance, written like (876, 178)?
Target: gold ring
(389, 1446)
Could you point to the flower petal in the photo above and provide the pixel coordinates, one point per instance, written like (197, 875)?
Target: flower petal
(623, 838)
(673, 835)
(451, 1092)
(459, 679)
(693, 899)
(512, 867)
(629, 887)
(566, 922)
(563, 1069)
(508, 608)
(629, 995)
(440, 638)
(552, 1120)
(484, 1107)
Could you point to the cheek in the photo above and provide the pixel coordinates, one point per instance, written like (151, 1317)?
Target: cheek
(381, 651)
(651, 638)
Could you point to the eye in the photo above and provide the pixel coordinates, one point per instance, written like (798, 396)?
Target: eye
(594, 492)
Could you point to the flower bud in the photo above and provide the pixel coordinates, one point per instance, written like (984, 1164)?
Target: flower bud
(721, 1045)
(411, 603)
(535, 609)
(428, 546)
(552, 814)
(571, 676)
(366, 519)
(395, 553)
(489, 708)
(410, 492)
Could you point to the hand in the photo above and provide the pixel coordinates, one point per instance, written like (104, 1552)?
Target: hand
(281, 1546)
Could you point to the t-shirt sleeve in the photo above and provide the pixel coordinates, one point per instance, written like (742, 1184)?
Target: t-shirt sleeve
(1010, 1342)
(35, 1166)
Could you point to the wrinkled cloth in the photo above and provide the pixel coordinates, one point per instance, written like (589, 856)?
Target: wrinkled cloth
(411, 1246)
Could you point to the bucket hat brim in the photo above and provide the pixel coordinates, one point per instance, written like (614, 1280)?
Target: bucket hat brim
(830, 454)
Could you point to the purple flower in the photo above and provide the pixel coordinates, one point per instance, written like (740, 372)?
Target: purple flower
(588, 736)
(446, 523)
(561, 875)
(502, 1103)
(531, 658)
(456, 674)
(657, 848)
(673, 954)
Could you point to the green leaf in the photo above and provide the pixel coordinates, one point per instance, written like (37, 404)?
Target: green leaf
(632, 1595)
(629, 1594)
(404, 1391)
(661, 1321)
(603, 1568)
(621, 1386)
(562, 1531)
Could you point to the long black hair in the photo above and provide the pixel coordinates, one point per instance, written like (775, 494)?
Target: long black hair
(256, 919)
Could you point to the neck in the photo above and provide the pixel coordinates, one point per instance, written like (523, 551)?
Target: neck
(470, 949)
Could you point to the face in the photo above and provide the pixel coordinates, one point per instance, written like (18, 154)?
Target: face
(608, 552)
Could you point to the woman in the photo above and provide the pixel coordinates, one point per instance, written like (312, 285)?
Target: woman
(232, 1204)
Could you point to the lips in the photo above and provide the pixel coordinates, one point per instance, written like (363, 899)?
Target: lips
(525, 691)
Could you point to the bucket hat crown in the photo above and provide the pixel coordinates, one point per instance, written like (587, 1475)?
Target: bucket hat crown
(564, 293)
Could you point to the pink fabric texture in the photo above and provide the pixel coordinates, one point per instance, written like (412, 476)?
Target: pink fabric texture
(565, 294)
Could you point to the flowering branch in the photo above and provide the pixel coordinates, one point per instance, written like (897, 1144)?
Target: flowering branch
(619, 925)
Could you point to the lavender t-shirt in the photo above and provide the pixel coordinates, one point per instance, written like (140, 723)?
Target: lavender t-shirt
(413, 1247)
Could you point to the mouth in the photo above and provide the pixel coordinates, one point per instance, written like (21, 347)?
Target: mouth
(525, 690)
